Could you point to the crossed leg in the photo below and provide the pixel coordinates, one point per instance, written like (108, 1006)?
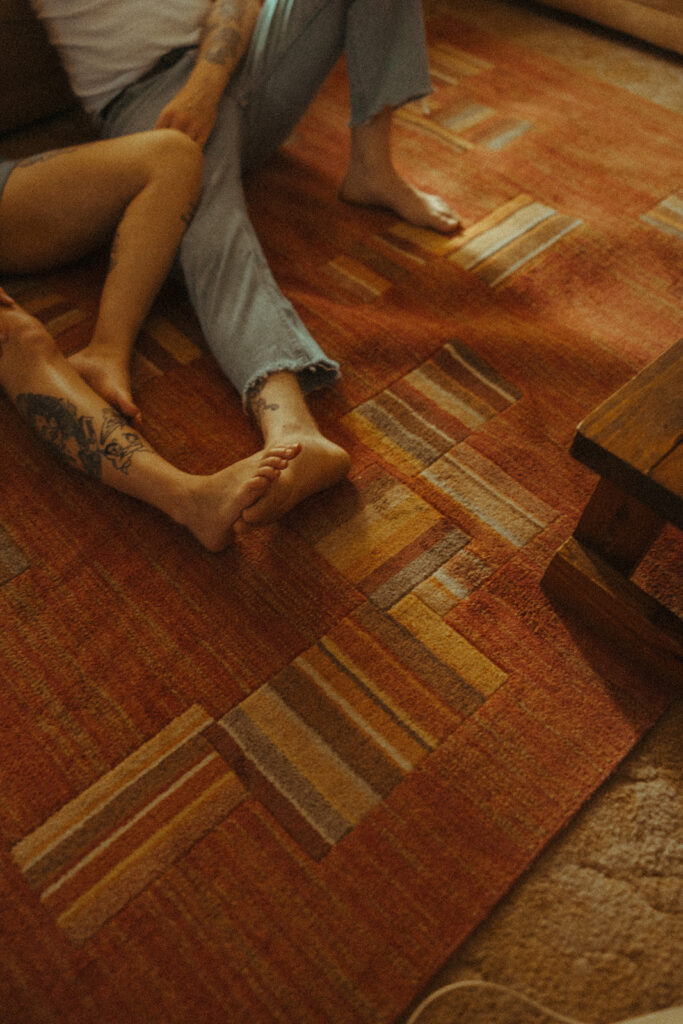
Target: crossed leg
(95, 439)
(56, 208)
(137, 192)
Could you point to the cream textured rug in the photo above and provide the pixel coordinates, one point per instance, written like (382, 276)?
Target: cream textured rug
(655, 21)
(594, 930)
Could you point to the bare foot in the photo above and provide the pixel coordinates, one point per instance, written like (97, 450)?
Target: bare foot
(109, 379)
(216, 502)
(320, 464)
(392, 192)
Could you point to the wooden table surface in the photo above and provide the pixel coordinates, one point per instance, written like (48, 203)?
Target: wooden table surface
(635, 438)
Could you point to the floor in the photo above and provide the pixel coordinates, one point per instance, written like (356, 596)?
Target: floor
(594, 931)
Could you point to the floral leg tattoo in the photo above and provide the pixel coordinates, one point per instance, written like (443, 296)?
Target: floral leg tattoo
(74, 437)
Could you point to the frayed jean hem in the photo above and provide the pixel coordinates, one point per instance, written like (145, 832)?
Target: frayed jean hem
(311, 376)
(358, 120)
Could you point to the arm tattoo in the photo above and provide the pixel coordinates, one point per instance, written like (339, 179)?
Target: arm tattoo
(74, 437)
(223, 43)
(221, 36)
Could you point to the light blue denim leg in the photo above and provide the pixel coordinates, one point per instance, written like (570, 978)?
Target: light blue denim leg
(297, 42)
(250, 327)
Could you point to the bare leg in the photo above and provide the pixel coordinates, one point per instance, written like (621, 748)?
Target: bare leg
(372, 180)
(283, 416)
(95, 439)
(59, 206)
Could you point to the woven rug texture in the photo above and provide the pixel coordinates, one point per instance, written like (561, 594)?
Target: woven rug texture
(284, 783)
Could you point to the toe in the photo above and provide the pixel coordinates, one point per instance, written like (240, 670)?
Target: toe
(276, 461)
(267, 472)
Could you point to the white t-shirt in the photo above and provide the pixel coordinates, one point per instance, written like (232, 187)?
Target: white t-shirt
(107, 44)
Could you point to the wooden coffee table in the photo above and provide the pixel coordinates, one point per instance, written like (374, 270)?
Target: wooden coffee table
(634, 441)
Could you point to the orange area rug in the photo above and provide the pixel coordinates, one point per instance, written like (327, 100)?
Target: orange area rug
(283, 783)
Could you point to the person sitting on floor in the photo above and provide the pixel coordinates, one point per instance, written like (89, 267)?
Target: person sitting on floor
(56, 207)
(236, 76)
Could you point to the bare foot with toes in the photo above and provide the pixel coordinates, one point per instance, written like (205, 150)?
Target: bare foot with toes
(213, 504)
(392, 192)
(320, 464)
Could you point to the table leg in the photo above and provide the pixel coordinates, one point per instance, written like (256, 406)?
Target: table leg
(589, 575)
(618, 527)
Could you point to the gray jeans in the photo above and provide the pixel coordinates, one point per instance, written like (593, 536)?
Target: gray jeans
(251, 328)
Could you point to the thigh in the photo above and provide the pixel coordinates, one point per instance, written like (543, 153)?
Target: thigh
(294, 47)
(59, 205)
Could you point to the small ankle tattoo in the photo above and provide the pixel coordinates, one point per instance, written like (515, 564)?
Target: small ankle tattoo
(258, 405)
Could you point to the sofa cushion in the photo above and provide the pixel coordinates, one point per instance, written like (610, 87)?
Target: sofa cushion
(33, 84)
(655, 21)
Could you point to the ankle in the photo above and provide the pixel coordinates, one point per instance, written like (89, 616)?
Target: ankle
(279, 408)
(109, 349)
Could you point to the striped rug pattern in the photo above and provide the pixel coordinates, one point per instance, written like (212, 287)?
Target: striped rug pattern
(281, 784)
(103, 848)
(667, 215)
(495, 250)
(325, 742)
(417, 420)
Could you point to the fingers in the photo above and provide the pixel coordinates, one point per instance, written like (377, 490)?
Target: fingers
(197, 128)
(5, 299)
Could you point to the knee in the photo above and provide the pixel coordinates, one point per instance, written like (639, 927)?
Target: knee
(176, 156)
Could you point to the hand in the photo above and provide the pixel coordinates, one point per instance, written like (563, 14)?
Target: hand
(193, 110)
(5, 299)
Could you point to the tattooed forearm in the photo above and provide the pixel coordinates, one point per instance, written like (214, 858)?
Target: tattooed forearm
(223, 43)
(225, 34)
(75, 438)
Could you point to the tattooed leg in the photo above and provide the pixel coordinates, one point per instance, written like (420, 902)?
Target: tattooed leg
(71, 420)
(75, 438)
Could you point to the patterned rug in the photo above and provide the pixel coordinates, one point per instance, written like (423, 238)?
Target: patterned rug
(283, 783)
